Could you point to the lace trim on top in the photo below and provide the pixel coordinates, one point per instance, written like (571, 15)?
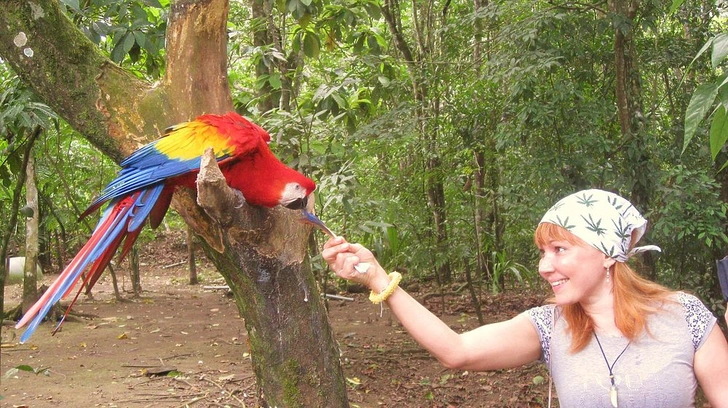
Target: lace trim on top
(543, 318)
(697, 316)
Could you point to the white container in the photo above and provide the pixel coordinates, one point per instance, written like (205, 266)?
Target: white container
(15, 265)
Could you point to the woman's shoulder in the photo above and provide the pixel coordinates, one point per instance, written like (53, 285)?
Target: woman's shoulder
(686, 303)
(541, 315)
(542, 318)
(687, 300)
(698, 318)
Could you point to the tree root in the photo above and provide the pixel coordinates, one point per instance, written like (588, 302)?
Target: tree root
(55, 314)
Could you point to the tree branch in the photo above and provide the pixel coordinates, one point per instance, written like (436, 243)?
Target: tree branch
(62, 67)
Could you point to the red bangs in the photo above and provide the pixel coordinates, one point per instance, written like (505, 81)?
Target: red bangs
(547, 232)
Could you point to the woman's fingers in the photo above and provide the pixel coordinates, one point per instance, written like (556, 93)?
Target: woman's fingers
(346, 259)
(332, 248)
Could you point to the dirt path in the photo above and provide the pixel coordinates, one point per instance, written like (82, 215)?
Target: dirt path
(105, 361)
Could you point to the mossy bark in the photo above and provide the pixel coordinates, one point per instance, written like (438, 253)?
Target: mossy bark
(71, 75)
(260, 252)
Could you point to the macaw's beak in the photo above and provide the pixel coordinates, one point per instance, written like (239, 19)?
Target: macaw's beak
(297, 204)
(310, 218)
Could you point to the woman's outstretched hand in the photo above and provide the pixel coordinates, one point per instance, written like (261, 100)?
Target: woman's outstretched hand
(343, 257)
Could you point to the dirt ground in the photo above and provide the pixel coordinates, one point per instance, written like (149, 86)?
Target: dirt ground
(194, 337)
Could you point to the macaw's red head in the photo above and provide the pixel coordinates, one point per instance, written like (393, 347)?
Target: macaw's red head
(264, 180)
(253, 169)
(296, 192)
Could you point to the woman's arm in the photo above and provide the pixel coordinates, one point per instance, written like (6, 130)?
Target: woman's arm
(494, 346)
(711, 368)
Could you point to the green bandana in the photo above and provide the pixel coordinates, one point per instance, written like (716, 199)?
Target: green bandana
(602, 219)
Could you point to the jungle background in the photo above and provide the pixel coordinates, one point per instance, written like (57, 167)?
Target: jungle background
(438, 131)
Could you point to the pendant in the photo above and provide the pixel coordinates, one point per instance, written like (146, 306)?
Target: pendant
(613, 395)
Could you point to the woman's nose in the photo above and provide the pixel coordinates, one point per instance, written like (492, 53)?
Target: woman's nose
(545, 265)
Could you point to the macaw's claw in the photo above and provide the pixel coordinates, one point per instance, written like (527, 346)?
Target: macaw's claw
(240, 197)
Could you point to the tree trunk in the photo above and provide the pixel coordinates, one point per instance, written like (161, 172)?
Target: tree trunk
(30, 278)
(196, 79)
(259, 251)
(479, 214)
(262, 10)
(73, 77)
(434, 187)
(13, 218)
(136, 280)
(630, 111)
(191, 263)
(436, 201)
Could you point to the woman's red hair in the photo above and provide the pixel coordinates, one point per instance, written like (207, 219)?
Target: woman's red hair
(635, 297)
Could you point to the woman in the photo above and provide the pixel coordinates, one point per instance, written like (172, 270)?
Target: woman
(609, 338)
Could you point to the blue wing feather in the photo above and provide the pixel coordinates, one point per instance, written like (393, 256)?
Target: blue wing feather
(125, 222)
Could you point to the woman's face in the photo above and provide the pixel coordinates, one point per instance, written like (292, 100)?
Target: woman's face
(575, 270)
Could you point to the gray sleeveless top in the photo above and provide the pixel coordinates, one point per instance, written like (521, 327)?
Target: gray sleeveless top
(656, 370)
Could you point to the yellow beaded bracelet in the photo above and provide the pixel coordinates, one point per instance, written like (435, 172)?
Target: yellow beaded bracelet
(395, 278)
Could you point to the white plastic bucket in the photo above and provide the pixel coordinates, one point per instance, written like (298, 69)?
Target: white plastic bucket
(15, 265)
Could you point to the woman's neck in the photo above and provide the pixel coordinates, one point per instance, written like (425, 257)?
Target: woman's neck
(601, 312)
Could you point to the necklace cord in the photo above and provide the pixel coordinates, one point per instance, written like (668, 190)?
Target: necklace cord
(610, 367)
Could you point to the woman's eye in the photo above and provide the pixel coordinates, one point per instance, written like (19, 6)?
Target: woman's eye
(560, 249)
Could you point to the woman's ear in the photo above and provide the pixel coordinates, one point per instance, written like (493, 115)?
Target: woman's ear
(609, 261)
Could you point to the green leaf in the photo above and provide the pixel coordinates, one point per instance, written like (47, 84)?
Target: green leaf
(676, 5)
(261, 82)
(340, 101)
(311, 45)
(275, 81)
(122, 47)
(702, 50)
(140, 38)
(720, 49)
(153, 3)
(698, 107)
(292, 5)
(718, 131)
(25, 368)
(445, 378)
(128, 42)
(72, 4)
(305, 20)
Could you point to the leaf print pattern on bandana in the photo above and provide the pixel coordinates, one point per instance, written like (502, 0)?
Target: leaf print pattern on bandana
(603, 219)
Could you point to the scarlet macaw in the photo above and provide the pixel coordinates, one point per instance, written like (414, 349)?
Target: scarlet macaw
(148, 178)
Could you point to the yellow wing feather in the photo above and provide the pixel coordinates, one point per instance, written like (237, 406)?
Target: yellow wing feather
(189, 140)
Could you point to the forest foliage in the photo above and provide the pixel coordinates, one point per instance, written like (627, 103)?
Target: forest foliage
(438, 131)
